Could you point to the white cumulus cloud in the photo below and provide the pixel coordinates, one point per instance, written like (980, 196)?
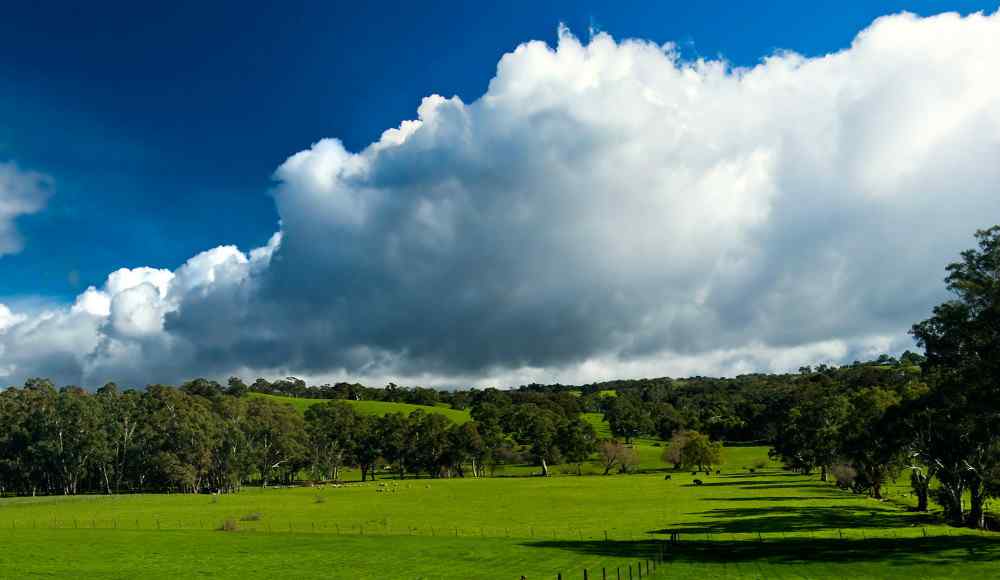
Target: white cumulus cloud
(21, 193)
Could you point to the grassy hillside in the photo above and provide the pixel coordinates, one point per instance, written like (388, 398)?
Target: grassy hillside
(373, 407)
(738, 525)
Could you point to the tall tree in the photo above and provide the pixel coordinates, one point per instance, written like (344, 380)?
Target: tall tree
(962, 344)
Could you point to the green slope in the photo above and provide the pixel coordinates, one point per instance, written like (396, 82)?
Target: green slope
(378, 408)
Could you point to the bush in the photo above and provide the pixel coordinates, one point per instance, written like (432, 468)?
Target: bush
(319, 499)
(844, 475)
(229, 525)
(760, 463)
(251, 517)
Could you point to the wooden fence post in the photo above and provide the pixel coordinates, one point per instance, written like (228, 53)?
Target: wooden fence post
(585, 577)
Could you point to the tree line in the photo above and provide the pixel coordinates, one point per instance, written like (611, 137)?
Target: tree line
(202, 437)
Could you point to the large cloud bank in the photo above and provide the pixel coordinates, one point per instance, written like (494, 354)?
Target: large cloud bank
(604, 209)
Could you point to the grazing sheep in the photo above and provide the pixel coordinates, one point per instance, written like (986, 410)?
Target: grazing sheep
(698, 482)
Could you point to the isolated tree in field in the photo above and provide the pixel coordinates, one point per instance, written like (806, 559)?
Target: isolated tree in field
(700, 452)
(962, 344)
(672, 452)
(693, 450)
(630, 460)
(627, 417)
(613, 452)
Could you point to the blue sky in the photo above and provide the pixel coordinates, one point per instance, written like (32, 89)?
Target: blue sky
(161, 126)
(207, 189)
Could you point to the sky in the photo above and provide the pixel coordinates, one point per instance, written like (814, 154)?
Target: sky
(464, 194)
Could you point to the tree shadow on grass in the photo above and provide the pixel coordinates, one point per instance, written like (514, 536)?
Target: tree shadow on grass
(762, 484)
(938, 550)
(761, 473)
(786, 518)
(780, 498)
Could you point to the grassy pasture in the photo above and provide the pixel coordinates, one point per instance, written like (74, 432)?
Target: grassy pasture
(769, 524)
(378, 408)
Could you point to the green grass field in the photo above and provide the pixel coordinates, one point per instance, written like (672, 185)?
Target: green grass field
(769, 524)
(373, 407)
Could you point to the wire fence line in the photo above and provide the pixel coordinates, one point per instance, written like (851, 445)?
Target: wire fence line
(257, 524)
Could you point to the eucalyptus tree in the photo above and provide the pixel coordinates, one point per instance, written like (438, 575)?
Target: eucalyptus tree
(961, 340)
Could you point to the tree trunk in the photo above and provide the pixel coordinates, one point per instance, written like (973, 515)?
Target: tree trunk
(545, 468)
(920, 484)
(952, 502)
(977, 498)
(822, 474)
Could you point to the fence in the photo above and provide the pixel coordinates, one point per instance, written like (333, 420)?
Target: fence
(623, 572)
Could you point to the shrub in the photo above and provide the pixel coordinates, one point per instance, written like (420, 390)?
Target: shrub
(760, 463)
(229, 525)
(319, 499)
(844, 475)
(255, 516)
